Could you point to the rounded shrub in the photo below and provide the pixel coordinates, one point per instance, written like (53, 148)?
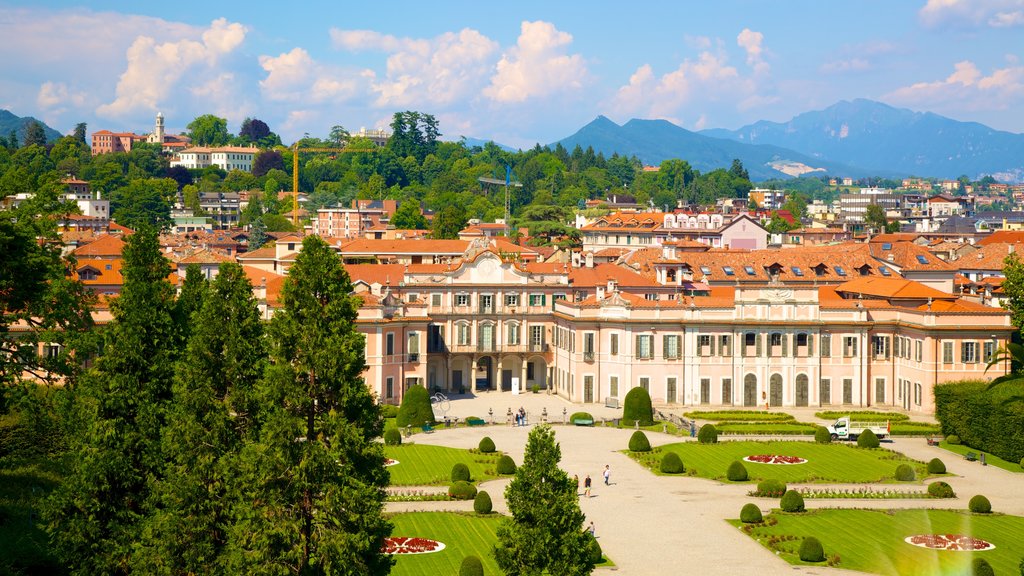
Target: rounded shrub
(671, 463)
(904, 473)
(792, 501)
(980, 505)
(388, 411)
(486, 445)
(596, 554)
(953, 439)
(750, 514)
(482, 503)
(637, 408)
(940, 490)
(868, 439)
(981, 567)
(462, 490)
(771, 487)
(811, 550)
(416, 409)
(471, 566)
(822, 435)
(392, 437)
(638, 442)
(506, 465)
(460, 472)
(936, 466)
(737, 472)
(580, 416)
(707, 434)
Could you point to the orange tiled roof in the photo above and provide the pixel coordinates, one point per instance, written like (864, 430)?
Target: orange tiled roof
(416, 247)
(382, 274)
(891, 288)
(988, 257)
(1003, 237)
(908, 256)
(105, 245)
(600, 274)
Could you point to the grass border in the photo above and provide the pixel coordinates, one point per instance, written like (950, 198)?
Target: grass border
(990, 459)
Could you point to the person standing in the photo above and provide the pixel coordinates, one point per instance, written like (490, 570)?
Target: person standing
(607, 473)
(591, 529)
(586, 486)
(576, 477)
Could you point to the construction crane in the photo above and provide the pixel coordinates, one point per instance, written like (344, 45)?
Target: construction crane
(295, 172)
(507, 182)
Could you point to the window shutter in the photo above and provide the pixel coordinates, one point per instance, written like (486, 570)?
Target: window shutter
(665, 351)
(963, 351)
(713, 342)
(810, 345)
(757, 345)
(637, 351)
(785, 344)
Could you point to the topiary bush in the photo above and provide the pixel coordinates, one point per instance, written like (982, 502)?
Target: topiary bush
(388, 411)
(392, 437)
(486, 445)
(792, 501)
(822, 435)
(936, 466)
(471, 566)
(904, 473)
(506, 465)
(1022, 466)
(771, 487)
(671, 463)
(811, 550)
(460, 472)
(940, 490)
(638, 442)
(415, 409)
(737, 472)
(750, 514)
(580, 416)
(868, 439)
(482, 503)
(637, 408)
(980, 505)
(981, 567)
(953, 439)
(462, 490)
(707, 434)
(596, 554)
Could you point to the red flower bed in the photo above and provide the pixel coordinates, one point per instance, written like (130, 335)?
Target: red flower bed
(390, 462)
(775, 459)
(957, 542)
(406, 545)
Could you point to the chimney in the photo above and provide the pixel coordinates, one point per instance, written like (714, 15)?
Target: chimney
(1010, 248)
(599, 292)
(590, 260)
(891, 257)
(613, 285)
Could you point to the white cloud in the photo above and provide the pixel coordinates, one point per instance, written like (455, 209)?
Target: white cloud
(972, 13)
(537, 66)
(751, 41)
(56, 97)
(967, 88)
(845, 65)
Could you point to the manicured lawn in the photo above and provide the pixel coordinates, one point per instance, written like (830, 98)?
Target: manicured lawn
(914, 429)
(990, 459)
(740, 416)
(787, 428)
(423, 465)
(24, 545)
(828, 463)
(873, 540)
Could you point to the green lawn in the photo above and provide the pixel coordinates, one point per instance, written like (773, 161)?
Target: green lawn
(907, 428)
(873, 540)
(782, 428)
(24, 545)
(424, 465)
(826, 463)
(863, 415)
(740, 416)
(990, 459)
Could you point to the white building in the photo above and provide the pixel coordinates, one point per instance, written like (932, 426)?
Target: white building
(227, 158)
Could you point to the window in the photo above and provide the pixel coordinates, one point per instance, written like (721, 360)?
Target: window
(414, 347)
(705, 270)
(749, 270)
(880, 347)
(947, 352)
(886, 246)
(412, 297)
(797, 271)
(922, 259)
(462, 299)
(512, 333)
(537, 338)
(989, 351)
(918, 350)
(704, 345)
(614, 345)
(775, 345)
(537, 300)
(613, 386)
(728, 271)
(511, 299)
(645, 383)
(670, 345)
(917, 393)
(726, 390)
(969, 352)
(751, 344)
(884, 271)
(879, 390)
(839, 270)
(849, 346)
(725, 345)
(670, 388)
(486, 303)
(825, 391)
(389, 344)
(802, 345)
(705, 390)
(462, 333)
(644, 345)
(588, 345)
(847, 391)
(389, 387)
(435, 299)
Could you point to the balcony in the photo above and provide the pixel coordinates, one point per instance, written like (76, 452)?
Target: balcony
(414, 357)
(588, 355)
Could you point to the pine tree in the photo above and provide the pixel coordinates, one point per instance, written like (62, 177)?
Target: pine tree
(315, 478)
(193, 289)
(545, 532)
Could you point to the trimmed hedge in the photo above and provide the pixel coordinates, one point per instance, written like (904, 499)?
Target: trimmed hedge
(416, 409)
(980, 505)
(811, 550)
(750, 514)
(638, 442)
(707, 434)
(771, 487)
(460, 472)
(981, 567)
(471, 566)
(482, 503)
(868, 440)
(486, 445)
(936, 466)
(388, 411)
(392, 437)
(864, 416)
(506, 465)
(904, 473)
(940, 490)
(637, 408)
(822, 435)
(737, 472)
(671, 463)
(986, 420)
(792, 501)
(462, 490)
(740, 416)
(953, 439)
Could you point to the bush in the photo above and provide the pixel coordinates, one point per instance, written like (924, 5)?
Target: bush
(979, 505)
(981, 567)
(638, 442)
(581, 416)
(506, 465)
(462, 490)
(936, 466)
(637, 408)
(940, 490)
(904, 473)
(750, 514)
(535, 388)
(460, 472)
(596, 554)
(771, 487)
(392, 437)
(737, 472)
(811, 550)
(388, 411)
(482, 503)
(988, 421)
(671, 463)
(416, 409)
(953, 439)
(867, 440)
(471, 566)
(792, 501)
(486, 445)
(707, 434)
(822, 435)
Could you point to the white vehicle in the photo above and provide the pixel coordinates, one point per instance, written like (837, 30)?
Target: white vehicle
(846, 429)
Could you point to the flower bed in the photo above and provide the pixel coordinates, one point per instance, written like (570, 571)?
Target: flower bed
(390, 462)
(406, 545)
(956, 542)
(775, 459)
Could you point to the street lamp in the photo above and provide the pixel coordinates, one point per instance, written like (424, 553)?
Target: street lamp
(490, 412)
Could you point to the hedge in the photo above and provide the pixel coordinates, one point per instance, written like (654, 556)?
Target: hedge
(637, 408)
(506, 465)
(750, 514)
(811, 550)
(388, 411)
(771, 488)
(980, 505)
(936, 466)
(707, 434)
(904, 473)
(471, 566)
(986, 420)
(416, 409)
(864, 416)
(460, 472)
(638, 442)
(486, 445)
(737, 472)
(740, 416)
(940, 490)
(462, 490)
(792, 501)
(822, 435)
(867, 439)
(392, 437)
(482, 503)
(671, 463)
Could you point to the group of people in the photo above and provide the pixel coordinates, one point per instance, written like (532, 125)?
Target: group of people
(588, 484)
(521, 417)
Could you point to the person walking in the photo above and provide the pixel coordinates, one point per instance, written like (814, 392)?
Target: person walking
(576, 477)
(607, 473)
(591, 529)
(586, 486)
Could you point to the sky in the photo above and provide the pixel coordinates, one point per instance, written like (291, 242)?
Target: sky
(517, 73)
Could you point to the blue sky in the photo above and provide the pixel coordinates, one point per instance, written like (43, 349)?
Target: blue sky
(517, 72)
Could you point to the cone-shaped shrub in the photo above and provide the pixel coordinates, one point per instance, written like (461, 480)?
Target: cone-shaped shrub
(771, 487)
(904, 473)
(596, 554)
(737, 472)
(671, 463)
(707, 434)
(638, 442)
(415, 409)
(460, 472)
(822, 435)
(482, 503)
(750, 514)
(979, 505)
(981, 567)
(392, 437)
(462, 490)
(792, 501)
(486, 445)
(811, 550)
(940, 490)
(637, 408)
(936, 466)
(867, 439)
(471, 566)
(506, 465)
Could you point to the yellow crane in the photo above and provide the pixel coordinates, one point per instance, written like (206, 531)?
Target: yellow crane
(295, 172)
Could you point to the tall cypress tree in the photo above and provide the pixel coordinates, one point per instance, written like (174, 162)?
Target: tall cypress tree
(314, 481)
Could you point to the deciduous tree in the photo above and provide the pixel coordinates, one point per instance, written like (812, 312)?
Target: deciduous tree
(208, 130)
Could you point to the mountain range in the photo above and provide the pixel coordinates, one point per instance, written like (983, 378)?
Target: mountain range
(9, 121)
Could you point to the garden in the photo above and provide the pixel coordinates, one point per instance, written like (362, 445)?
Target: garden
(426, 465)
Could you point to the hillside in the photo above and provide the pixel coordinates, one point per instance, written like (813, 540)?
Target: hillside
(9, 121)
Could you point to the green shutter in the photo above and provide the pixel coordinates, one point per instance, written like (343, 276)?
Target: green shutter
(757, 345)
(810, 345)
(714, 340)
(785, 344)
(636, 351)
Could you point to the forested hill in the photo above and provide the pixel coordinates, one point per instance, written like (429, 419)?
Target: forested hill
(9, 122)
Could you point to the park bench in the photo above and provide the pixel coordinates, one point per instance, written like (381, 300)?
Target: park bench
(428, 428)
(583, 422)
(970, 457)
(610, 402)
(475, 421)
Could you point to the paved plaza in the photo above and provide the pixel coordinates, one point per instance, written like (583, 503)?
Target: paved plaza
(649, 524)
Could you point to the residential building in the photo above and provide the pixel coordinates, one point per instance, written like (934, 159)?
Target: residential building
(767, 199)
(226, 158)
